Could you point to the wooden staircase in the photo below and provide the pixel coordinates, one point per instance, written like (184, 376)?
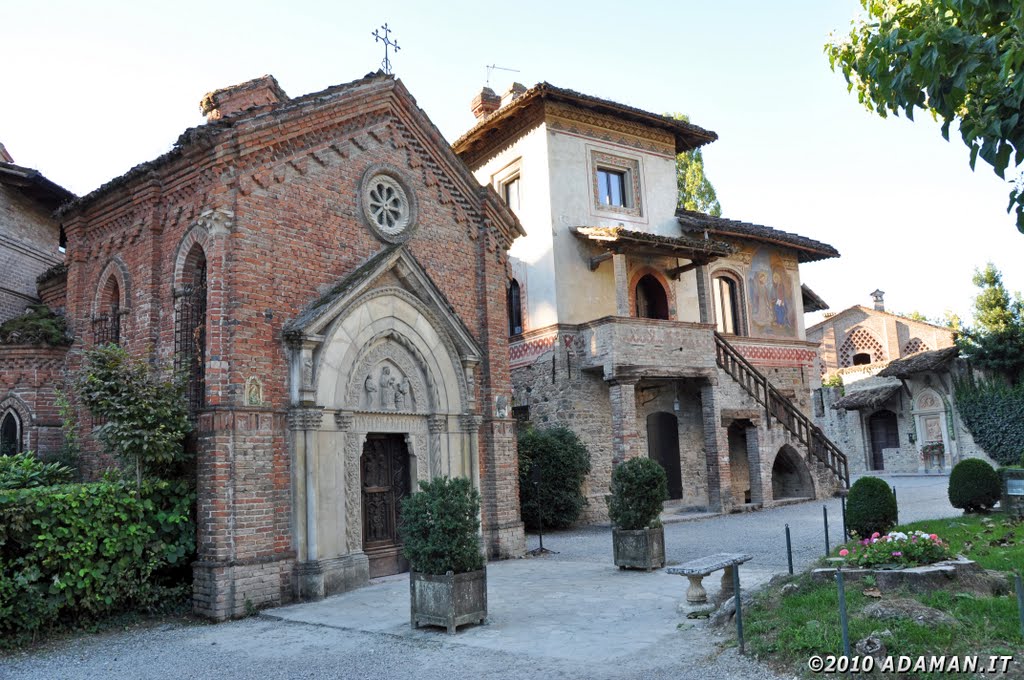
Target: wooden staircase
(779, 407)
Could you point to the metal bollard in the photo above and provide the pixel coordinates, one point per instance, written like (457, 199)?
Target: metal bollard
(897, 504)
(789, 551)
(1020, 602)
(842, 612)
(824, 512)
(846, 532)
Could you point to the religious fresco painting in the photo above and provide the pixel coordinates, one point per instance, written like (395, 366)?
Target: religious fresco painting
(772, 308)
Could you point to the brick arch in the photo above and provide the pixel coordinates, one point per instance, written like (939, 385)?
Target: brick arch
(196, 240)
(858, 341)
(660, 277)
(915, 345)
(115, 273)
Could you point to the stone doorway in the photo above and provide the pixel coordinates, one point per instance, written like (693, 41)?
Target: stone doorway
(385, 479)
(663, 446)
(884, 435)
(790, 476)
(739, 463)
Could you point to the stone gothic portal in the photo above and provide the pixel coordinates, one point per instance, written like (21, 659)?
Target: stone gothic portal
(385, 481)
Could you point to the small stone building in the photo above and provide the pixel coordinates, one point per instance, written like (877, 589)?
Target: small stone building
(896, 397)
(650, 330)
(332, 278)
(31, 259)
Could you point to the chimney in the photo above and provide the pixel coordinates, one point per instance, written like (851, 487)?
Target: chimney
(4, 156)
(512, 94)
(879, 297)
(253, 94)
(485, 103)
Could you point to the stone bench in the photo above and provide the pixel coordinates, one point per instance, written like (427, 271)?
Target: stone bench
(696, 570)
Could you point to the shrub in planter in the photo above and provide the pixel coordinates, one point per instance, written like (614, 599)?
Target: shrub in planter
(639, 488)
(870, 507)
(25, 471)
(974, 485)
(448, 582)
(564, 463)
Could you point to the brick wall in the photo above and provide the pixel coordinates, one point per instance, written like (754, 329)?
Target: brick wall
(29, 376)
(29, 240)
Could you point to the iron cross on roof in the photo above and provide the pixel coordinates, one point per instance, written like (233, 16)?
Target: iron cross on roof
(386, 64)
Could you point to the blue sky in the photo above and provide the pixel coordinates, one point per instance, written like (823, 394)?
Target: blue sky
(91, 89)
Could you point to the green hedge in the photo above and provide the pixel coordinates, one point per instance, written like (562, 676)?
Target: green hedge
(870, 507)
(24, 470)
(994, 413)
(76, 552)
(564, 463)
(974, 486)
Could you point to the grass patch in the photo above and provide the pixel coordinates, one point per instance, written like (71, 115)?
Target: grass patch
(786, 630)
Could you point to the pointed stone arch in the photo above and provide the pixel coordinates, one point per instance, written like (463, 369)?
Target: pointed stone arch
(790, 476)
(15, 421)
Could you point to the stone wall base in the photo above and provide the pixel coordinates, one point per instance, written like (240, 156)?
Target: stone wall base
(222, 590)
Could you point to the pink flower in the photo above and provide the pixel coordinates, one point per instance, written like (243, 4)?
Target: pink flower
(897, 553)
(875, 535)
(934, 537)
(844, 552)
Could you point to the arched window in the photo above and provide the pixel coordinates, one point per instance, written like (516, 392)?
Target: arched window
(11, 441)
(651, 301)
(728, 316)
(190, 328)
(515, 309)
(107, 324)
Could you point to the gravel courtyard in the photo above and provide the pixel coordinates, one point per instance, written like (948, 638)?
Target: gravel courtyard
(565, 615)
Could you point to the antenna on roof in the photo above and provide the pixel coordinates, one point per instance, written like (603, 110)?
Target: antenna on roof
(377, 37)
(492, 67)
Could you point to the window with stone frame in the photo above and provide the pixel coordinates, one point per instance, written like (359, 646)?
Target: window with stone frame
(728, 304)
(615, 184)
(515, 308)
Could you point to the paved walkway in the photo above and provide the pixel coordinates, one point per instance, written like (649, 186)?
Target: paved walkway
(567, 615)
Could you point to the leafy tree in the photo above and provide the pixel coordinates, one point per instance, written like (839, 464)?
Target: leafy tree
(695, 191)
(145, 414)
(996, 340)
(960, 61)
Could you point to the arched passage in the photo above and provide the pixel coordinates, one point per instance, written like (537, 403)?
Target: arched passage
(10, 433)
(790, 476)
(651, 300)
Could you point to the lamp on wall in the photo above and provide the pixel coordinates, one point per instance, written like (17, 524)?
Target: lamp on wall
(675, 402)
(912, 437)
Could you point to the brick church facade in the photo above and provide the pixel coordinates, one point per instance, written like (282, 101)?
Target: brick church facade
(332, 277)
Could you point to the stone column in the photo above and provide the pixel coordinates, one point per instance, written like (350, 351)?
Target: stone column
(622, 393)
(716, 450)
(471, 456)
(754, 462)
(305, 422)
(704, 294)
(621, 269)
(436, 424)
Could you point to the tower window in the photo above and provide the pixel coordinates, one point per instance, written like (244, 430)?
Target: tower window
(611, 187)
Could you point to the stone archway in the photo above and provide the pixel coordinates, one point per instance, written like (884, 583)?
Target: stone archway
(790, 476)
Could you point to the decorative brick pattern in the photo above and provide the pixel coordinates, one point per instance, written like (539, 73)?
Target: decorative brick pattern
(914, 346)
(860, 340)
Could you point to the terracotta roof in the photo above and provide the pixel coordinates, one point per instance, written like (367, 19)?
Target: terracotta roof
(207, 135)
(34, 185)
(812, 302)
(677, 246)
(688, 136)
(929, 360)
(873, 394)
(809, 250)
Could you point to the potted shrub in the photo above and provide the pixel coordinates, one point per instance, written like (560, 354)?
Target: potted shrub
(639, 488)
(447, 578)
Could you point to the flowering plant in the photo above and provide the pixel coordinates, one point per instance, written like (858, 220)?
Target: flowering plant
(898, 549)
(932, 449)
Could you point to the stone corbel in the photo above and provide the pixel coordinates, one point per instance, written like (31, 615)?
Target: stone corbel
(469, 368)
(303, 373)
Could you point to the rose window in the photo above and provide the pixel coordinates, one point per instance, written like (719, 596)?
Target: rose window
(386, 205)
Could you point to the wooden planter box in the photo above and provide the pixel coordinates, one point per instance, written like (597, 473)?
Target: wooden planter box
(639, 548)
(1013, 491)
(450, 600)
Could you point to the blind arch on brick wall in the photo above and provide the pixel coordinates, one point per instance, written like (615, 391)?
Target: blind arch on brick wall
(110, 302)
(915, 345)
(860, 341)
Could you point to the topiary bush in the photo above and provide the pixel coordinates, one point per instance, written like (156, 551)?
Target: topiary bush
(25, 471)
(440, 525)
(639, 488)
(974, 486)
(564, 463)
(73, 553)
(870, 507)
